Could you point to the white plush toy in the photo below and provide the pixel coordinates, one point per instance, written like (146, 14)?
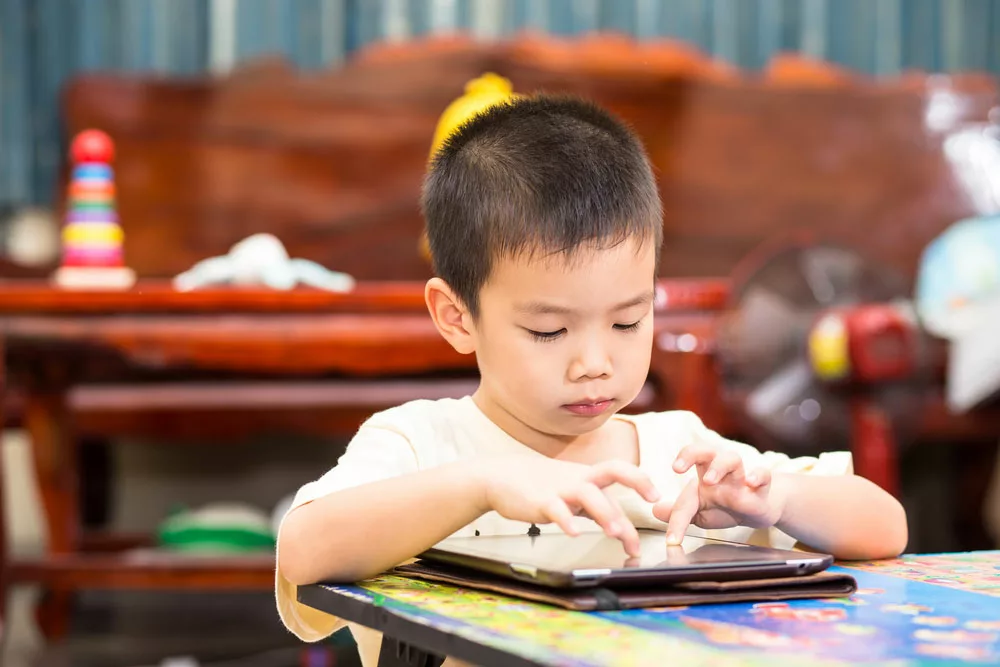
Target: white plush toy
(261, 259)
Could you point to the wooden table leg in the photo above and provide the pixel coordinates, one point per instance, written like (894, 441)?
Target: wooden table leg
(47, 421)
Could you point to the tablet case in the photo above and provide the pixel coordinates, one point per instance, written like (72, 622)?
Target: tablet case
(819, 585)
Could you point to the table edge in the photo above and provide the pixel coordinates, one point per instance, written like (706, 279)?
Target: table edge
(391, 623)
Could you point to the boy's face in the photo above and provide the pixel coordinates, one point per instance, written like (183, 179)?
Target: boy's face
(564, 344)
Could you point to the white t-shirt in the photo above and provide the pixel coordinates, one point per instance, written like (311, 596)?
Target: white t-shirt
(423, 434)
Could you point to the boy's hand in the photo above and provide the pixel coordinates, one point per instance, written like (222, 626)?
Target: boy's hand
(551, 491)
(722, 496)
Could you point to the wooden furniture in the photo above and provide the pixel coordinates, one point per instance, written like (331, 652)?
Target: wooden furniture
(128, 363)
(132, 363)
(331, 162)
(949, 618)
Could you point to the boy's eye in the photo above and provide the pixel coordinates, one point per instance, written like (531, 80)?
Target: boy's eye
(628, 327)
(546, 335)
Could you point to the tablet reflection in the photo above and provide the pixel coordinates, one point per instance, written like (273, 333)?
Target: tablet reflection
(595, 550)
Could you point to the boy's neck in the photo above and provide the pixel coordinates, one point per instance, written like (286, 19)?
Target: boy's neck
(590, 447)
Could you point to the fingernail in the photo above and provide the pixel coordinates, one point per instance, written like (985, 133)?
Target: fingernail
(614, 528)
(673, 540)
(711, 476)
(653, 496)
(752, 479)
(679, 463)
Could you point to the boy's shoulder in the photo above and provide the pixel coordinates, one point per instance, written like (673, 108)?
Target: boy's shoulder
(421, 413)
(436, 431)
(669, 420)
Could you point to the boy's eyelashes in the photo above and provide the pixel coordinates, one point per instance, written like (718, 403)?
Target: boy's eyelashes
(546, 336)
(628, 327)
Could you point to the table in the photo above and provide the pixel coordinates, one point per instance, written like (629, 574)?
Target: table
(916, 610)
(224, 363)
(218, 364)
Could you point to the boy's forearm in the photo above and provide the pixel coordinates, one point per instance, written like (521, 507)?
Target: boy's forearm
(846, 516)
(356, 533)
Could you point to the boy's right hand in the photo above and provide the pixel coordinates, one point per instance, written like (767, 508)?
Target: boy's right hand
(545, 490)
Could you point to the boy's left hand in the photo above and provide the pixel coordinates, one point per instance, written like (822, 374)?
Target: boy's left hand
(722, 496)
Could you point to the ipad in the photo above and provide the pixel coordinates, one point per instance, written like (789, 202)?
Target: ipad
(593, 559)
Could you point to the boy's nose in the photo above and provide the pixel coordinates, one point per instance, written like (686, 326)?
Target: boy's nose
(591, 362)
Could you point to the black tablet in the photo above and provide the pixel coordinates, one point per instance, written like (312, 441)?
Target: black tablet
(593, 559)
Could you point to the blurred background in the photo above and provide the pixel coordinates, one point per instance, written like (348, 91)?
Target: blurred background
(47, 41)
(816, 158)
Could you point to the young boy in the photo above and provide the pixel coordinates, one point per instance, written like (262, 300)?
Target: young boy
(544, 223)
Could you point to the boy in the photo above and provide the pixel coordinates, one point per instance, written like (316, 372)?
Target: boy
(544, 224)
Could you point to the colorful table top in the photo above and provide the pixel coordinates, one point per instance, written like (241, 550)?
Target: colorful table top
(917, 610)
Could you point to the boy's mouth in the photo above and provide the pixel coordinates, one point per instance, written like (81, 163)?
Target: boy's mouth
(589, 408)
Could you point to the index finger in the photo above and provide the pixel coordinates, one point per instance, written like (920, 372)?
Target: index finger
(683, 513)
(607, 473)
(698, 454)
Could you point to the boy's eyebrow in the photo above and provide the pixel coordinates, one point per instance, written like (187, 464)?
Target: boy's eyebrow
(542, 308)
(637, 300)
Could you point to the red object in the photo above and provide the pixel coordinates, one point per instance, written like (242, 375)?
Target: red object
(882, 343)
(78, 190)
(102, 258)
(874, 447)
(92, 146)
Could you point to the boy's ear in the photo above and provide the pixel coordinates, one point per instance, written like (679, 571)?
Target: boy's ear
(450, 315)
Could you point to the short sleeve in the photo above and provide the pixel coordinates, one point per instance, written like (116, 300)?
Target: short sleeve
(825, 463)
(663, 435)
(376, 452)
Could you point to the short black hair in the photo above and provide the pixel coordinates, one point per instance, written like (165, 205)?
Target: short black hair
(536, 174)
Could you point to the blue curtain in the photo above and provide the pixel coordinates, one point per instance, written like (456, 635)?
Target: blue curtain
(42, 42)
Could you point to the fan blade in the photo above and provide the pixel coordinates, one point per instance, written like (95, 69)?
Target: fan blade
(764, 327)
(832, 274)
(785, 404)
(766, 332)
(839, 276)
(784, 388)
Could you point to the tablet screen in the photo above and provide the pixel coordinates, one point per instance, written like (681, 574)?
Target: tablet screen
(561, 553)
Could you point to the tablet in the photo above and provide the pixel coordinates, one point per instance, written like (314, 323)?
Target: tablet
(558, 560)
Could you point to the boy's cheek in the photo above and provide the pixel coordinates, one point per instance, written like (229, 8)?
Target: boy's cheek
(519, 365)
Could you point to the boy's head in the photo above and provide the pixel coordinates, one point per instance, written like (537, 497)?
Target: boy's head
(534, 177)
(543, 216)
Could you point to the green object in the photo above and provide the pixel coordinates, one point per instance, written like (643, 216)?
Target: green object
(217, 528)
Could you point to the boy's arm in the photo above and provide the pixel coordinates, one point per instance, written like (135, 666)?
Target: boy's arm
(354, 533)
(844, 515)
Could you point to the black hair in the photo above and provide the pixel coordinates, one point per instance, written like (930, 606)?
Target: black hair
(537, 174)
